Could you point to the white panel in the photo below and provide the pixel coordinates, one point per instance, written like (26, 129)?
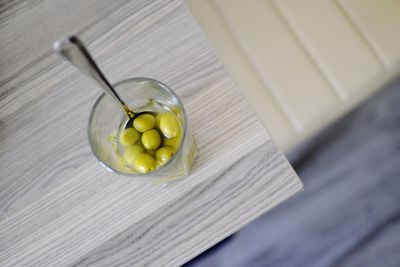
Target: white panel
(265, 106)
(291, 56)
(379, 20)
(332, 41)
(285, 68)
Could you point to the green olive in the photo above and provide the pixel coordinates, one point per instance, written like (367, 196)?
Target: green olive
(164, 154)
(169, 125)
(129, 137)
(132, 152)
(151, 139)
(174, 142)
(145, 163)
(144, 123)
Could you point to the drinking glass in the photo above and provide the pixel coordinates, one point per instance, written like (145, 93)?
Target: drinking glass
(107, 120)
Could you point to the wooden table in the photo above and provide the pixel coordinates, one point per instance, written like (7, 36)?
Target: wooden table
(58, 206)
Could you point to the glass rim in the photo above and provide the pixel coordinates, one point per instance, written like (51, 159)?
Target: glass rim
(178, 151)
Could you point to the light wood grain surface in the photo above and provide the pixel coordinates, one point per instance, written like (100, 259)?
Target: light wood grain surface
(58, 206)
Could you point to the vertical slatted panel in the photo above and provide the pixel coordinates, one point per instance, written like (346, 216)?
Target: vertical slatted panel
(286, 70)
(343, 56)
(238, 65)
(310, 60)
(379, 22)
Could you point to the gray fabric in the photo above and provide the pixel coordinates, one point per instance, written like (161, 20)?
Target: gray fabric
(349, 213)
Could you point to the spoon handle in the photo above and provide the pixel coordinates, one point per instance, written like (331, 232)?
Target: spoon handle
(74, 51)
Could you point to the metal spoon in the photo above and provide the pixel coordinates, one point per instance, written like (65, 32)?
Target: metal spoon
(74, 51)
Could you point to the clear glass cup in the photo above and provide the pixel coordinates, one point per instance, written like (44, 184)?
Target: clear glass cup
(107, 119)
